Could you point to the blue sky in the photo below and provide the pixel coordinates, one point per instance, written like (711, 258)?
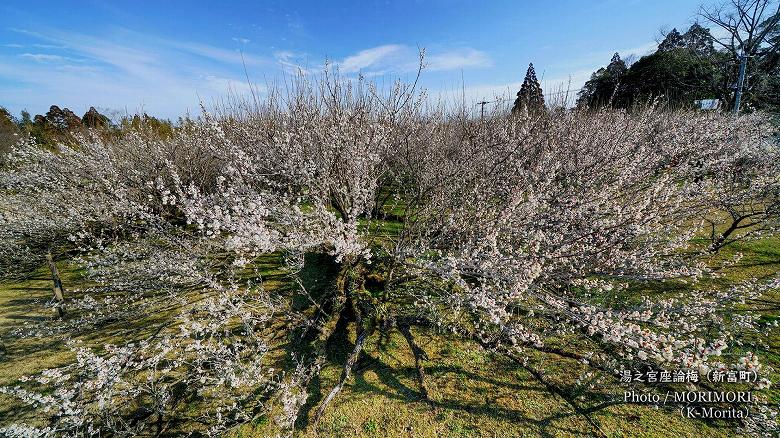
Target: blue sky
(163, 57)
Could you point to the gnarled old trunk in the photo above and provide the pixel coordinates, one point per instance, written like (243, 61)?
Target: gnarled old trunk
(57, 286)
(360, 294)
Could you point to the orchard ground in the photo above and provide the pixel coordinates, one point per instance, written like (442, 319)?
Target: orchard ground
(471, 392)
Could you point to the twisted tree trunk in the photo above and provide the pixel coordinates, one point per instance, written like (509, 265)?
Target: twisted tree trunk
(346, 371)
(57, 287)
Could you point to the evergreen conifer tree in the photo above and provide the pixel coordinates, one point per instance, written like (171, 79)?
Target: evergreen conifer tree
(673, 40)
(530, 97)
(699, 40)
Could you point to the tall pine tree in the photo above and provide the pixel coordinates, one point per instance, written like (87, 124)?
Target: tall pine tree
(530, 97)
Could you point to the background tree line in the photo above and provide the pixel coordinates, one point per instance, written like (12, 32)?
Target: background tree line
(61, 125)
(696, 65)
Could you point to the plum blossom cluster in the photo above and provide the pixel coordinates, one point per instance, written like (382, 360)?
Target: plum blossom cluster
(198, 357)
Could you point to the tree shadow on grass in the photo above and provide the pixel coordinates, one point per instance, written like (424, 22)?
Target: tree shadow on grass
(388, 383)
(395, 389)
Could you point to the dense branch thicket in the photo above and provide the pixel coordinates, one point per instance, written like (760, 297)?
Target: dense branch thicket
(509, 230)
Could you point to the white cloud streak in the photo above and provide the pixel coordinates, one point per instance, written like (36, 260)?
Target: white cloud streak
(370, 58)
(44, 57)
(397, 58)
(163, 77)
(458, 59)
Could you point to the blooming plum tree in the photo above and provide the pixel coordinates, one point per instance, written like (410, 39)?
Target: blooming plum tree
(512, 230)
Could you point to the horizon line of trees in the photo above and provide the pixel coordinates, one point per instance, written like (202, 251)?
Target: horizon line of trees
(695, 65)
(60, 125)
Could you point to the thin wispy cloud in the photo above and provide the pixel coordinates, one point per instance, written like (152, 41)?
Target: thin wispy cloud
(639, 50)
(161, 75)
(386, 59)
(370, 58)
(48, 46)
(218, 54)
(44, 57)
(220, 84)
(457, 59)
(294, 62)
(295, 25)
(397, 58)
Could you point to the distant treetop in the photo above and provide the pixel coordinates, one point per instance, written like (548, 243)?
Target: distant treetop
(697, 39)
(93, 119)
(530, 97)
